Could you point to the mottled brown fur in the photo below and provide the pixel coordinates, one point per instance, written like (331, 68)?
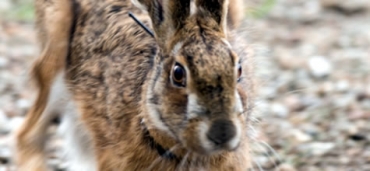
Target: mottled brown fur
(117, 74)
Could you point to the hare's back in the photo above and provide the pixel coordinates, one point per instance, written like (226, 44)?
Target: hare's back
(110, 56)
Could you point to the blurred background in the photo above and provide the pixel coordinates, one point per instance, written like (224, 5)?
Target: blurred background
(312, 60)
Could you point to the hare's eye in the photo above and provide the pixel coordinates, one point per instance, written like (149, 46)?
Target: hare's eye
(239, 71)
(179, 75)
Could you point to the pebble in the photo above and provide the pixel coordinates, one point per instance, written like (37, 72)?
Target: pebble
(367, 156)
(3, 168)
(3, 62)
(286, 167)
(311, 11)
(317, 148)
(23, 104)
(293, 103)
(348, 6)
(319, 66)
(345, 101)
(15, 123)
(3, 122)
(300, 136)
(279, 110)
(325, 88)
(342, 85)
(54, 163)
(5, 5)
(5, 153)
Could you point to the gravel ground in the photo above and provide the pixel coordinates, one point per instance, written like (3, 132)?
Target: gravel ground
(312, 61)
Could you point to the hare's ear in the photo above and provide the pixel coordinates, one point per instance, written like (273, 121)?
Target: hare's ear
(167, 16)
(215, 9)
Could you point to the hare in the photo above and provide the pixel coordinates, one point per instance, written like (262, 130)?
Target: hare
(180, 100)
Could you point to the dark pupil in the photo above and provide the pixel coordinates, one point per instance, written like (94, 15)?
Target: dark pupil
(178, 73)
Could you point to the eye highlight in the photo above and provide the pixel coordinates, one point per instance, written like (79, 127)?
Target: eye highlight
(178, 75)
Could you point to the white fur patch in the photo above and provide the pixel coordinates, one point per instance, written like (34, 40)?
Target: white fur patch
(78, 151)
(224, 16)
(155, 120)
(233, 143)
(176, 48)
(202, 133)
(193, 8)
(238, 103)
(139, 5)
(226, 42)
(193, 107)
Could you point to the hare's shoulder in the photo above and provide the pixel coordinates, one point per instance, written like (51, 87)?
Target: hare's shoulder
(110, 53)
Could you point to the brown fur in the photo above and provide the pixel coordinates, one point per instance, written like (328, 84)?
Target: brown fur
(118, 74)
(236, 13)
(54, 23)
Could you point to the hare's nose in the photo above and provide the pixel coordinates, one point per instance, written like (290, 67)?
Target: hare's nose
(221, 131)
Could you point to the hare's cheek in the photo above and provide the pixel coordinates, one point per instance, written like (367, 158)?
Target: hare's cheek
(203, 128)
(235, 141)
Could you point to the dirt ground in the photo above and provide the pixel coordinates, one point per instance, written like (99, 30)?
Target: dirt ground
(312, 59)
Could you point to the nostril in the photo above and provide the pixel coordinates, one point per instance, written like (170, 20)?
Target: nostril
(221, 131)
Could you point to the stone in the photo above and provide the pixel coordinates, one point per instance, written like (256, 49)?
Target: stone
(342, 86)
(300, 136)
(286, 167)
(347, 6)
(3, 62)
(319, 66)
(23, 104)
(316, 148)
(279, 110)
(5, 5)
(15, 123)
(3, 122)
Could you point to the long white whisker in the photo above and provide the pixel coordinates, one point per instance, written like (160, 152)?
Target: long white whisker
(156, 161)
(258, 165)
(260, 146)
(183, 161)
(193, 155)
(272, 150)
(159, 158)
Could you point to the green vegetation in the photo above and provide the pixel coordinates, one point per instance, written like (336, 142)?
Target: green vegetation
(262, 10)
(21, 10)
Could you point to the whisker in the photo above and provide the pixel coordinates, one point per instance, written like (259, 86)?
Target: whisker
(156, 161)
(272, 150)
(184, 159)
(258, 165)
(260, 146)
(159, 158)
(194, 156)
(252, 169)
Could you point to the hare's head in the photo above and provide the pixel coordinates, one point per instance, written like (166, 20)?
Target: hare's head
(194, 94)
